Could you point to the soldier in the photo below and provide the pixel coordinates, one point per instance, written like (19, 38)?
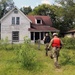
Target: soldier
(46, 40)
(56, 44)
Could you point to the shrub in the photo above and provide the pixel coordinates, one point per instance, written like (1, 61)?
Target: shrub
(28, 56)
(69, 43)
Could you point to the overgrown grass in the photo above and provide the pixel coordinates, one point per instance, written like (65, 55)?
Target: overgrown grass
(10, 63)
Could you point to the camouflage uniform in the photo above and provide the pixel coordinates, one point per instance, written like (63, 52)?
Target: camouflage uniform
(55, 52)
(46, 48)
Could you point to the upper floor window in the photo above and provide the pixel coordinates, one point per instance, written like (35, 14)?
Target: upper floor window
(15, 20)
(39, 21)
(15, 11)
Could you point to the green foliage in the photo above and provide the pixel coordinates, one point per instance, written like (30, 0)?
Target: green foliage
(4, 4)
(44, 9)
(9, 64)
(26, 10)
(4, 44)
(67, 57)
(28, 56)
(69, 43)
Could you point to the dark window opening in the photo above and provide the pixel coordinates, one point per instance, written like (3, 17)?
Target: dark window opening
(15, 36)
(42, 36)
(17, 20)
(36, 35)
(13, 20)
(32, 36)
(38, 21)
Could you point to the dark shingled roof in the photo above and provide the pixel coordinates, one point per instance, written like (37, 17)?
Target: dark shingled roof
(44, 27)
(46, 20)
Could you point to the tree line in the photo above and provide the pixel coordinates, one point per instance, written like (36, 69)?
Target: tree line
(62, 16)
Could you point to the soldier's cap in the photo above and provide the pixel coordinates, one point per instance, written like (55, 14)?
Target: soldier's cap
(55, 34)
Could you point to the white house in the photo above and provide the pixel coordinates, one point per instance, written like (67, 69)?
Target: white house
(14, 25)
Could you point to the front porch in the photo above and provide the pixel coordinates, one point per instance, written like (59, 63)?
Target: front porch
(35, 36)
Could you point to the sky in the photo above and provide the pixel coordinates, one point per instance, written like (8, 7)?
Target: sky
(32, 3)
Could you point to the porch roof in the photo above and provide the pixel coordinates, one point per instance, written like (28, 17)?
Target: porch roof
(43, 28)
(71, 31)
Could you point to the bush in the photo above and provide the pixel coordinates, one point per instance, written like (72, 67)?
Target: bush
(28, 56)
(69, 43)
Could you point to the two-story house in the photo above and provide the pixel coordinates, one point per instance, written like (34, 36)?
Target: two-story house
(16, 25)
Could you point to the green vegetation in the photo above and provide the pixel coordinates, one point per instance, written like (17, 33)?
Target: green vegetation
(69, 43)
(26, 59)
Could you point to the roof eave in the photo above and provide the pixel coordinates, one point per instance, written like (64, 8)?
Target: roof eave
(11, 11)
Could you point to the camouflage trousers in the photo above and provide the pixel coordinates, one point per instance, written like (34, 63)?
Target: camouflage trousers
(46, 48)
(55, 54)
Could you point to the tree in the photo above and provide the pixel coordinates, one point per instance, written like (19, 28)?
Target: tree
(26, 10)
(5, 6)
(44, 9)
(67, 19)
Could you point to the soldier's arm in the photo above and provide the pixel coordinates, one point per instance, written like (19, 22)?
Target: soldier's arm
(61, 42)
(50, 43)
(44, 38)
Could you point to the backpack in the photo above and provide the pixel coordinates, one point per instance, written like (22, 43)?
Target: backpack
(47, 39)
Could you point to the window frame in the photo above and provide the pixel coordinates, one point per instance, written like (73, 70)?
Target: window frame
(14, 35)
(15, 20)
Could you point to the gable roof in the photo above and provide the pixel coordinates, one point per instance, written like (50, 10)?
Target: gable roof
(46, 25)
(46, 20)
(12, 11)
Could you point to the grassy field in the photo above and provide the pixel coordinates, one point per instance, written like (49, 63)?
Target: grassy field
(9, 64)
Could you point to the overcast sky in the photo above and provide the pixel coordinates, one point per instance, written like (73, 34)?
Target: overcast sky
(32, 3)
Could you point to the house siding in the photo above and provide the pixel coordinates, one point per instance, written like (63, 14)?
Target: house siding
(7, 27)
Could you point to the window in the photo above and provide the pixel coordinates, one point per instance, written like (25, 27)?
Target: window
(15, 20)
(38, 21)
(15, 36)
(32, 35)
(15, 11)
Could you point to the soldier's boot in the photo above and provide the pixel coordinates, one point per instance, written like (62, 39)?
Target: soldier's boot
(51, 56)
(56, 63)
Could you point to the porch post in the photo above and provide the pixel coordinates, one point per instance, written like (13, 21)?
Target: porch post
(34, 36)
(43, 34)
(40, 36)
(39, 40)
